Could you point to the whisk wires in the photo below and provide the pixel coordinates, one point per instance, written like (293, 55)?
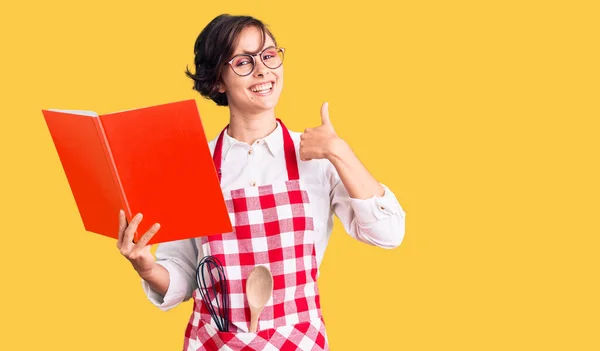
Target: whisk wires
(212, 283)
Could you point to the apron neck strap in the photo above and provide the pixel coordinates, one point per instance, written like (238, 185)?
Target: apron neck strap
(291, 161)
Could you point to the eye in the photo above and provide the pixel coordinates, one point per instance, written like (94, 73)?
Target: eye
(269, 54)
(242, 61)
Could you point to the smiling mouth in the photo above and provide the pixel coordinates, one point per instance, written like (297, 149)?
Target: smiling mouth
(262, 88)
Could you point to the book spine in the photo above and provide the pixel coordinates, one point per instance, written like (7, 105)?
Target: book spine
(113, 169)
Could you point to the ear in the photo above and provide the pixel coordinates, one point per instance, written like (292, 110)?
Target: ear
(221, 87)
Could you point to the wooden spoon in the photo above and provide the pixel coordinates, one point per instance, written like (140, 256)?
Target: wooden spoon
(259, 288)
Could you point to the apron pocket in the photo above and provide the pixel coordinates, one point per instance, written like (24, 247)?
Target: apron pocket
(304, 336)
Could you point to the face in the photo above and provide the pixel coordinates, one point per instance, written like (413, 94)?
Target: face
(259, 91)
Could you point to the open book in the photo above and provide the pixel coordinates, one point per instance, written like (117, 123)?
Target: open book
(154, 160)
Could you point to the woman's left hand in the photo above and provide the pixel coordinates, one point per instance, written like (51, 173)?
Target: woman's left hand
(322, 141)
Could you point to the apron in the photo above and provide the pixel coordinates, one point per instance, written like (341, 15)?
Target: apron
(273, 227)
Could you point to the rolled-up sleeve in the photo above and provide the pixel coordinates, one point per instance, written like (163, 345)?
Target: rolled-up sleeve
(378, 221)
(179, 259)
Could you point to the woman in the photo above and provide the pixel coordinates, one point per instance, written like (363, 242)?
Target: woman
(281, 188)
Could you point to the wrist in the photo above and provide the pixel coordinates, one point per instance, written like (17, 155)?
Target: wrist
(339, 150)
(147, 274)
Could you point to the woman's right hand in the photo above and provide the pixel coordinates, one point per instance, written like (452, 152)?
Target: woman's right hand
(138, 253)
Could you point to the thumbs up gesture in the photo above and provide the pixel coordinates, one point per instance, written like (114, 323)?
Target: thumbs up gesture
(320, 142)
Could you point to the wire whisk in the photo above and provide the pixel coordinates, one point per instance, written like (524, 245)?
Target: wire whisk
(214, 290)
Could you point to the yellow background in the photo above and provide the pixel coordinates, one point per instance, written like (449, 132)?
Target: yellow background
(482, 117)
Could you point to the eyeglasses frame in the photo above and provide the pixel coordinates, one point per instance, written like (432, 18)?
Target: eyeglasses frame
(230, 62)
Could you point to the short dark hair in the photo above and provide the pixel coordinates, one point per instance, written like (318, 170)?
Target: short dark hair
(214, 47)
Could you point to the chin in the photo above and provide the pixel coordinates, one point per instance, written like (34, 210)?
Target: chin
(265, 105)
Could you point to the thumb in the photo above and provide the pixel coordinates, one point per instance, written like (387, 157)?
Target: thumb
(325, 114)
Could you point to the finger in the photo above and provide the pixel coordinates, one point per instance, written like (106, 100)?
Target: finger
(325, 114)
(304, 155)
(122, 226)
(147, 236)
(131, 228)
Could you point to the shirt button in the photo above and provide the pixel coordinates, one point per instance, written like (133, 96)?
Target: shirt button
(250, 152)
(382, 208)
(252, 183)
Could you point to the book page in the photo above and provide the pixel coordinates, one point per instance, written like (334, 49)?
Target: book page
(77, 112)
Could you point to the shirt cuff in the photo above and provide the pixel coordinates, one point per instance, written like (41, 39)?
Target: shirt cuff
(376, 208)
(176, 293)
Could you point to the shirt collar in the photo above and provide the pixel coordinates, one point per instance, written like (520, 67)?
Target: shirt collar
(274, 142)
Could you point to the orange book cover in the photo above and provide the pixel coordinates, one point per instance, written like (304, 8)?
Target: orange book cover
(154, 160)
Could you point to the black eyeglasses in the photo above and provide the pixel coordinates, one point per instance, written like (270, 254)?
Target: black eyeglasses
(243, 64)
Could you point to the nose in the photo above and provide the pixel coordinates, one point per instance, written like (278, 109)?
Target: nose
(260, 70)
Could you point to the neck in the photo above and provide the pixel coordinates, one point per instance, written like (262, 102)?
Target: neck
(250, 127)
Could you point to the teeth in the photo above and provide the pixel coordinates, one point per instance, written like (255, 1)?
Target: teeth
(261, 87)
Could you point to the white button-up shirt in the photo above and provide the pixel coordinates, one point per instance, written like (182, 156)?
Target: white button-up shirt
(376, 221)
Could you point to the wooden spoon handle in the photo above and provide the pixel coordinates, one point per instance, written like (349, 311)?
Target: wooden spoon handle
(253, 320)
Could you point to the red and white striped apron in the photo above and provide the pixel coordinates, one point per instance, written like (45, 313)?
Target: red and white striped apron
(273, 227)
